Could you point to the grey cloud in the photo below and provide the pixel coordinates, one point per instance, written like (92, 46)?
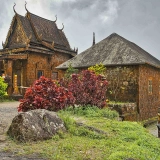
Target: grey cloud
(135, 20)
(83, 10)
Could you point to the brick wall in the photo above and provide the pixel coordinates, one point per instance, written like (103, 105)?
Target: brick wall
(122, 83)
(45, 63)
(127, 111)
(148, 102)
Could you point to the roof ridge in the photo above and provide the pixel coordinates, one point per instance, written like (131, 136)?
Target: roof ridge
(20, 15)
(23, 25)
(42, 17)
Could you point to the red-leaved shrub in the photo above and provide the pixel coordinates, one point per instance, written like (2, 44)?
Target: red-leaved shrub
(88, 88)
(46, 94)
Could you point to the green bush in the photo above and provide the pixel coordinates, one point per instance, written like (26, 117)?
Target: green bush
(3, 87)
(98, 69)
(70, 71)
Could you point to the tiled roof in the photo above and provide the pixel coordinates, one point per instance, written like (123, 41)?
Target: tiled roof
(41, 32)
(113, 50)
(48, 30)
(27, 28)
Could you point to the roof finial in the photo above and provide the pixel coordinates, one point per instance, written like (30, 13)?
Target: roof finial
(3, 44)
(52, 44)
(56, 18)
(26, 6)
(77, 50)
(14, 8)
(93, 38)
(62, 27)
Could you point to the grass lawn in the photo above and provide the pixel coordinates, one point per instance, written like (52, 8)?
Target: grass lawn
(118, 141)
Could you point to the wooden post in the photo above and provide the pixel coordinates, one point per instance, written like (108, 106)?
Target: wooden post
(16, 91)
(8, 67)
(158, 125)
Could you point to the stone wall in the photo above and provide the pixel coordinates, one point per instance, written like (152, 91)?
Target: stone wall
(127, 111)
(148, 102)
(122, 83)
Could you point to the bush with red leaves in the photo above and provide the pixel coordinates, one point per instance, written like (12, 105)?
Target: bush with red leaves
(88, 88)
(46, 94)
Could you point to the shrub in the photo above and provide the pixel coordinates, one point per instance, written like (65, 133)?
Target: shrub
(68, 75)
(70, 71)
(46, 94)
(3, 87)
(98, 69)
(88, 88)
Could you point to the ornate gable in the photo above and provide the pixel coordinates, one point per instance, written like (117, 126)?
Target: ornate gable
(18, 36)
(9, 32)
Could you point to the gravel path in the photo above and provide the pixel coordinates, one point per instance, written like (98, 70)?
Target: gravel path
(8, 110)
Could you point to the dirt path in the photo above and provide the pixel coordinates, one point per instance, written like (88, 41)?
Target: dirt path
(8, 110)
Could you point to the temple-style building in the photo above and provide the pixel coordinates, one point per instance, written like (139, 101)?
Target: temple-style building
(34, 46)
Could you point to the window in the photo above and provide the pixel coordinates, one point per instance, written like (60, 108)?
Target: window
(40, 73)
(54, 75)
(150, 87)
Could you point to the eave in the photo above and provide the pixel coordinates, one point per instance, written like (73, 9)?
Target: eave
(109, 65)
(37, 49)
(65, 51)
(22, 50)
(13, 56)
(10, 51)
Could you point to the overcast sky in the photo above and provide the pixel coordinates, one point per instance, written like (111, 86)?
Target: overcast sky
(135, 20)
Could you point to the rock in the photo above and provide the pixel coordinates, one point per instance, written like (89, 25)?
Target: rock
(2, 138)
(35, 125)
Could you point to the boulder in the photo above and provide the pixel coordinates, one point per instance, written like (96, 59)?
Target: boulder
(39, 124)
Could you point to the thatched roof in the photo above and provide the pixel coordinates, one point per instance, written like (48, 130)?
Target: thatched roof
(113, 50)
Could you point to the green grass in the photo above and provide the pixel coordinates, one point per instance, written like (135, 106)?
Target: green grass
(123, 139)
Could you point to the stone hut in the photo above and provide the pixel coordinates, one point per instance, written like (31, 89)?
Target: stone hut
(34, 46)
(133, 74)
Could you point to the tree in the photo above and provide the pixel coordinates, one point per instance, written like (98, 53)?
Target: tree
(70, 71)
